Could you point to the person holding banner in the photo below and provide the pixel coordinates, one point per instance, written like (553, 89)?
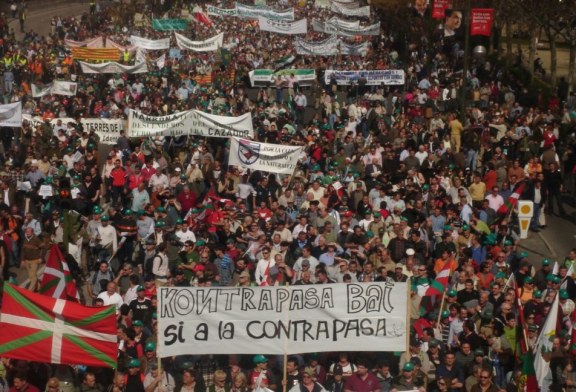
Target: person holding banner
(308, 383)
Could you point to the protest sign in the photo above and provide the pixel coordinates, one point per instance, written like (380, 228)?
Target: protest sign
(481, 21)
(439, 8)
(169, 24)
(247, 11)
(261, 77)
(322, 3)
(11, 114)
(190, 122)
(328, 47)
(390, 77)
(208, 45)
(108, 130)
(283, 27)
(99, 54)
(274, 158)
(332, 28)
(150, 44)
(113, 67)
(45, 191)
(282, 320)
(215, 11)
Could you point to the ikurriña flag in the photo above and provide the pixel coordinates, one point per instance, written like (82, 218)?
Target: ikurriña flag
(43, 329)
(57, 281)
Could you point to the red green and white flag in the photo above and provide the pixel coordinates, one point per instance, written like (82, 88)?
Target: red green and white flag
(443, 276)
(512, 199)
(51, 330)
(57, 280)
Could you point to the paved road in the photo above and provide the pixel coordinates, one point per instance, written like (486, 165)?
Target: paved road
(40, 14)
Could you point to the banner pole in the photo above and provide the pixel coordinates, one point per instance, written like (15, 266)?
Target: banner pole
(284, 378)
(408, 310)
(441, 306)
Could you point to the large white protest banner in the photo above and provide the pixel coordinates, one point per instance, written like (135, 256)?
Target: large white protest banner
(215, 11)
(107, 129)
(96, 42)
(248, 11)
(281, 320)
(390, 77)
(283, 27)
(208, 45)
(113, 67)
(274, 158)
(150, 44)
(57, 87)
(333, 28)
(328, 47)
(11, 114)
(190, 122)
(360, 11)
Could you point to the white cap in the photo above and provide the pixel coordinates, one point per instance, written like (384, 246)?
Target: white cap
(410, 252)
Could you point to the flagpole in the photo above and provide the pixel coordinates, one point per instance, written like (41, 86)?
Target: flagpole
(408, 310)
(441, 305)
(284, 379)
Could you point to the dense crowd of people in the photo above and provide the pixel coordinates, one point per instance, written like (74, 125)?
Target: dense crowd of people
(394, 183)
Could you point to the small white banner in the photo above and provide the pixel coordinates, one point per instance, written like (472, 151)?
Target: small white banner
(273, 158)
(215, 11)
(337, 29)
(248, 11)
(390, 77)
(283, 27)
(360, 11)
(150, 44)
(209, 45)
(108, 130)
(354, 49)
(57, 87)
(96, 42)
(11, 115)
(282, 320)
(191, 122)
(113, 67)
(328, 47)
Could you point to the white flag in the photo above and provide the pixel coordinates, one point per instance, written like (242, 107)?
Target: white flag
(544, 347)
(11, 115)
(274, 158)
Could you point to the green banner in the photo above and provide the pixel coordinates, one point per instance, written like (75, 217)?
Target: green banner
(169, 24)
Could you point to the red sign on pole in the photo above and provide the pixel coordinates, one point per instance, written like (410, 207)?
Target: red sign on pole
(481, 21)
(439, 7)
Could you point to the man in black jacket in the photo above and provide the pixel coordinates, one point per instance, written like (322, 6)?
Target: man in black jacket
(553, 184)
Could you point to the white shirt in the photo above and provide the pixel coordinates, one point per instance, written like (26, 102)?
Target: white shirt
(187, 235)
(495, 202)
(108, 236)
(114, 299)
(261, 273)
(131, 294)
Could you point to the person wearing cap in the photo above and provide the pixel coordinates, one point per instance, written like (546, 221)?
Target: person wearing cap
(308, 383)
(415, 352)
(261, 376)
(158, 379)
(406, 380)
(134, 379)
(141, 307)
(106, 239)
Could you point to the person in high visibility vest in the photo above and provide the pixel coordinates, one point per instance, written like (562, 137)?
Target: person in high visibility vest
(126, 56)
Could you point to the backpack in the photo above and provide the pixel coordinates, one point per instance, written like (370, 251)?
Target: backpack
(149, 264)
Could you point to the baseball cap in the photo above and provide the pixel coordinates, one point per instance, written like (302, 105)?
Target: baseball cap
(139, 288)
(537, 294)
(410, 252)
(546, 262)
(138, 323)
(259, 359)
(133, 363)
(150, 346)
(452, 293)
(408, 367)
